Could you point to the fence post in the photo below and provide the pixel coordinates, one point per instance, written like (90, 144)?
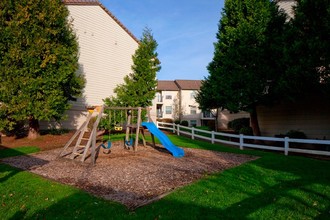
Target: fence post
(212, 137)
(286, 146)
(157, 124)
(192, 133)
(241, 141)
(178, 130)
(173, 128)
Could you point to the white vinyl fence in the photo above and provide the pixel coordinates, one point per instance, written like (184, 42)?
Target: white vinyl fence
(244, 141)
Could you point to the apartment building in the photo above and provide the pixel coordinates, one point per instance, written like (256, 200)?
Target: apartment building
(176, 100)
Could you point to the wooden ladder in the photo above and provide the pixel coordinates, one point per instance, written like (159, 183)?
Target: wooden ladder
(85, 138)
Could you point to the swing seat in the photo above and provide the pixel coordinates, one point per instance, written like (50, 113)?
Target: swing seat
(108, 145)
(129, 143)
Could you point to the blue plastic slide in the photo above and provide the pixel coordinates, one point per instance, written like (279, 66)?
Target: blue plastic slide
(176, 151)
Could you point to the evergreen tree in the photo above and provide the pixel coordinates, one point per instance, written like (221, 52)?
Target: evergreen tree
(139, 87)
(245, 65)
(308, 49)
(38, 62)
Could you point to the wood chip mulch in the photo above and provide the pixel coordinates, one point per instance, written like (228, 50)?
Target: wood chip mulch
(131, 178)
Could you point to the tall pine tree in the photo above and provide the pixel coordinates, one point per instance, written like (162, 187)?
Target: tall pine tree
(245, 63)
(139, 87)
(38, 62)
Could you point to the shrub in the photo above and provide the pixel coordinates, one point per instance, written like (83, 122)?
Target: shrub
(246, 131)
(19, 130)
(177, 121)
(184, 123)
(239, 123)
(296, 134)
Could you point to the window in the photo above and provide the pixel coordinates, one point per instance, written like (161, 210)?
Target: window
(193, 110)
(193, 123)
(168, 97)
(168, 109)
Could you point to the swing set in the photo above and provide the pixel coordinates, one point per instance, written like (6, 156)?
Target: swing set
(128, 120)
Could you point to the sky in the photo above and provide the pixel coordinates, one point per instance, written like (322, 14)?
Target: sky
(185, 31)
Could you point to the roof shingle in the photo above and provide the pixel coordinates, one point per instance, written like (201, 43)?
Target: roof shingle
(176, 85)
(167, 85)
(189, 84)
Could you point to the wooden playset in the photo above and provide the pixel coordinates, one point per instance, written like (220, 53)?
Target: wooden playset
(85, 139)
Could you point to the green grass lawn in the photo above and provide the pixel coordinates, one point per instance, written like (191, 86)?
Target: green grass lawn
(272, 187)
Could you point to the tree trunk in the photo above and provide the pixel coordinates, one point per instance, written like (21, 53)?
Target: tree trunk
(254, 121)
(33, 128)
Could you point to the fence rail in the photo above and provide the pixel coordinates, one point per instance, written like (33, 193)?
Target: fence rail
(243, 140)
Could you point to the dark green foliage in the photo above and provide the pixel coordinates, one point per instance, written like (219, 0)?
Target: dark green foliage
(239, 72)
(38, 62)
(246, 131)
(296, 134)
(238, 124)
(177, 122)
(246, 59)
(184, 123)
(308, 49)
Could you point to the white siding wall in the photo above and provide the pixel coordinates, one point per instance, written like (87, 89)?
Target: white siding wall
(106, 51)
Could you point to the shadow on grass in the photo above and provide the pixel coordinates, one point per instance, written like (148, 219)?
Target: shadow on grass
(272, 187)
(12, 152)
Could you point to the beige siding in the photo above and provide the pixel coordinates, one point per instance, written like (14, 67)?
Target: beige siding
(105, 50)
(310, 115)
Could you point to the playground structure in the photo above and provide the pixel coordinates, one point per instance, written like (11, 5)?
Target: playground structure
(85, 139)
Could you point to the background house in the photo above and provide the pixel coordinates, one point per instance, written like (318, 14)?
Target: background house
(105, 47)
(176, 100)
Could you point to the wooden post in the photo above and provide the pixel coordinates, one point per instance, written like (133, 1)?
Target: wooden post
(137, 129)
(128, 127)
